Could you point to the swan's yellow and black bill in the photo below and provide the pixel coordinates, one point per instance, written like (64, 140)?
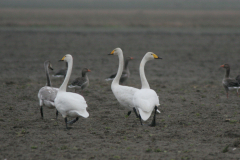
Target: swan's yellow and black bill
(62, 58)
(111, 52)
(156, 57)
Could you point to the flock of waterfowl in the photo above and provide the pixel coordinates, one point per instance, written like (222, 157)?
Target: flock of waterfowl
(141, 101)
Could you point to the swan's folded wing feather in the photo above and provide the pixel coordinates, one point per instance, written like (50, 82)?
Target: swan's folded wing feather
(48, 93)
(144, 115)
(82, 112)
(144, 108)
(145, 100)
(71, 101)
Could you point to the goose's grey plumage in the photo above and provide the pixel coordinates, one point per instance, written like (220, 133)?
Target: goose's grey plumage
(125, 73)
(81, 82)
(238, 78)
(229, 83)
(47, 94)
(62, 72)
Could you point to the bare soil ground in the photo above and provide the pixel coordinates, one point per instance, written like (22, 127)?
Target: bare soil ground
(197, 121)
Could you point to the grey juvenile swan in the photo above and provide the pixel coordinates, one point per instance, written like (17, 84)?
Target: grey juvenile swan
(47, 94)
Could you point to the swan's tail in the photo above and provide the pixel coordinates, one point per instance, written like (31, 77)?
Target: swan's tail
(84, 114)
(144, 115)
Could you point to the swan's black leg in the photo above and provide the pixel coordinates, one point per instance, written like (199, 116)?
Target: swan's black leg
(134, 109)
(66, 123)
(140, 118)
(56, 114)
(73, 121)
(41, 111)
(153, 124)
(128, 113)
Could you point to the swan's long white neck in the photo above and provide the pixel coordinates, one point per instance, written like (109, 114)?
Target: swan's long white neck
(69, 72)
(144, 81)
(47, 74)
(120, 69)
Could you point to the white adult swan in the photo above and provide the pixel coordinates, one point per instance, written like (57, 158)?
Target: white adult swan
(67, 103)
(47, 94)
(146, 99)
(124, 94)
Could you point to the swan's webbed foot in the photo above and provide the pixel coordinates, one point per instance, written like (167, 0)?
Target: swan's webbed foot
(56, 114)
(73, 121)
(153, 124)
(41, 111)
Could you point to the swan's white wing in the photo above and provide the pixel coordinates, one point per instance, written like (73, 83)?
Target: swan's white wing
(124, 95)
(145, 100)
(70, 104)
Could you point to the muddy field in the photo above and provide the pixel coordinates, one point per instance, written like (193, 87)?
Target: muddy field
(197, 121)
